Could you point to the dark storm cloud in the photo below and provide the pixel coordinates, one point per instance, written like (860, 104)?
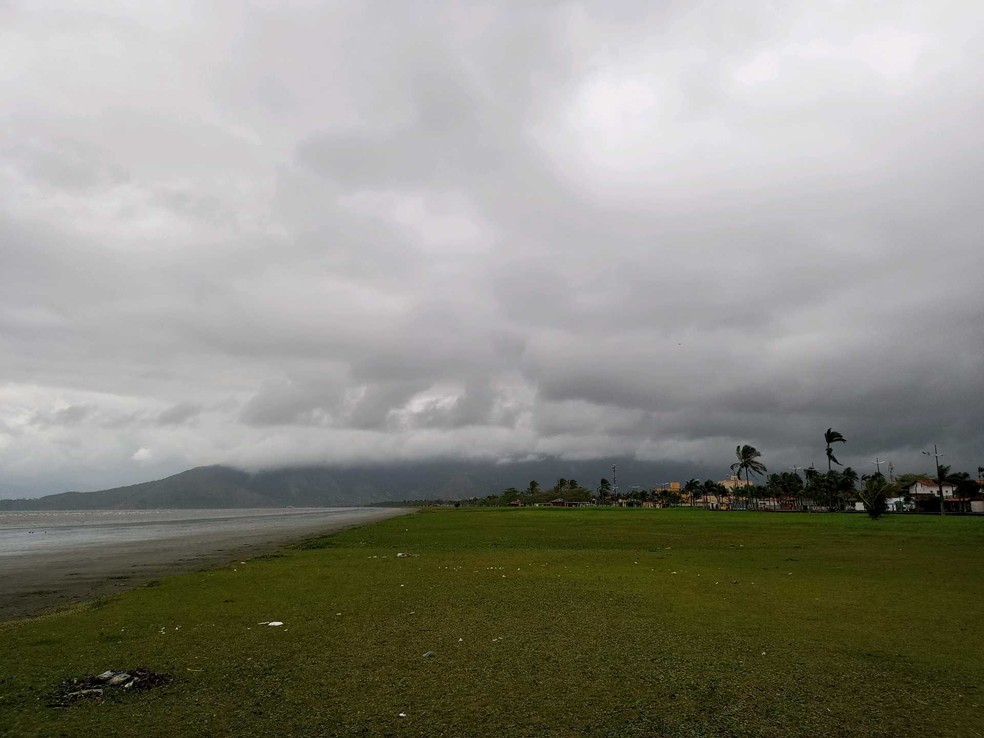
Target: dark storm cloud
(179, 414)
(64, 165)
(68, 416)
(358, 233)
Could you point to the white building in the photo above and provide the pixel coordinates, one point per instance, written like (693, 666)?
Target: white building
(894, 504)
(930, 487)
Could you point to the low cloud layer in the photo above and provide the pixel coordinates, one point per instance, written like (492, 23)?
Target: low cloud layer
(363, 232)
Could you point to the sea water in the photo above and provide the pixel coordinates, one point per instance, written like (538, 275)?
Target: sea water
(31, 533)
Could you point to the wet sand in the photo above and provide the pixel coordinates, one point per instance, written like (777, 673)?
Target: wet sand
(31, 585)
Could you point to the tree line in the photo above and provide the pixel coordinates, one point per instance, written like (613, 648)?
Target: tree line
(836, 488)
(833, 490)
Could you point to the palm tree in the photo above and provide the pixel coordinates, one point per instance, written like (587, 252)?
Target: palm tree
(832, 436)
(604, 490)
(812, 481)
(748, 462)
(846, 482)
(711, 488)
(692, 488)
(850, 477)
(874, 492)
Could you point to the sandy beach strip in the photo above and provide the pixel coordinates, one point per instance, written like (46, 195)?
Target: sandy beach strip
(31, 585)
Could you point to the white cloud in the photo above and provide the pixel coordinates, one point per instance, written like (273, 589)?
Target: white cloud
(142, 454)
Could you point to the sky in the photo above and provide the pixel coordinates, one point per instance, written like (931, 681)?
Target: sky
(265, 234)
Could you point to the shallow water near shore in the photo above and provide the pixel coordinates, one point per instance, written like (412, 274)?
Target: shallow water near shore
(27, 533)
(55, 558)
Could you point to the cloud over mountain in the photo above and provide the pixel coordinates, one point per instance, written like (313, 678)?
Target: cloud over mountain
(351, 233)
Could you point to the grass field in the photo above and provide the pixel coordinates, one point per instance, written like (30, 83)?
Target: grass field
(542, 622)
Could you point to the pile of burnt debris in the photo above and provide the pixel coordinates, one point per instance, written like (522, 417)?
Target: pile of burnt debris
(99, 686)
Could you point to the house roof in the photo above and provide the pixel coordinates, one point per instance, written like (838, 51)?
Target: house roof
(931, 483)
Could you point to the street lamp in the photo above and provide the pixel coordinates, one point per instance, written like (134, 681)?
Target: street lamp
(939, 477)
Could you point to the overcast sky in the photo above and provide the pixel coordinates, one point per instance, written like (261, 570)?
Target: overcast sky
(295, 232)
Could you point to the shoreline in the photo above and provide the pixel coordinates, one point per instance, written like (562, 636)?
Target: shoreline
(40, 584)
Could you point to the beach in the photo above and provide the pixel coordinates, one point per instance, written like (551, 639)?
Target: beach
(45, 565)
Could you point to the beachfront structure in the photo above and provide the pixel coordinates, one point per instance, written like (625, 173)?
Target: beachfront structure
(733, 482)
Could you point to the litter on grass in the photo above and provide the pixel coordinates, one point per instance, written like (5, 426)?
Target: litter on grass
(97, 687)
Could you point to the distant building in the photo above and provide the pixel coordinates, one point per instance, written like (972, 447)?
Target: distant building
(930, 487)
(894, 504)
(560, 502)
(733, 482)
(669, 487)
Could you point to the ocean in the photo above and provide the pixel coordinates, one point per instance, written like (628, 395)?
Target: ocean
(29, 533)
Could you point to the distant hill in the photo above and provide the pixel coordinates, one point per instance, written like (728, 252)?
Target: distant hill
(225, 487)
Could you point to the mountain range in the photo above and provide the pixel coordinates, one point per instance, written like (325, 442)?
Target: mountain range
(324, 486)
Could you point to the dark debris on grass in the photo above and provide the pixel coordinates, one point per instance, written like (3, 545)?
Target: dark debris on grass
(97, 687)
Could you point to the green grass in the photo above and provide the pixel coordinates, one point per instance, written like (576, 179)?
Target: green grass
(543, 623)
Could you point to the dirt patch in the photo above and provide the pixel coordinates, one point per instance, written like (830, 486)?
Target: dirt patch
(97, 687)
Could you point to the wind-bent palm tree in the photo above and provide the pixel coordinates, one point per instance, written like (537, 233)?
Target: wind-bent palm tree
(832, 436)
(748, 462)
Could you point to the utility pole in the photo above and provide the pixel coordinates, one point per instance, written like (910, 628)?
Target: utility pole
(878, 462)
(939, 477)
(614, 483)
(891, 472)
